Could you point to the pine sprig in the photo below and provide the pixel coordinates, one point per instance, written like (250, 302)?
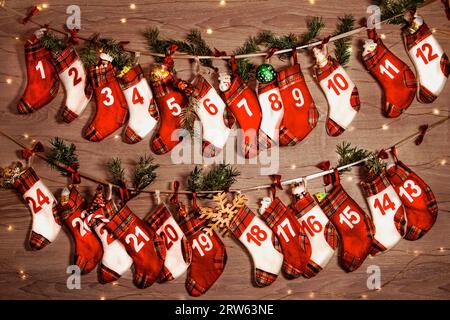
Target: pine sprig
(246, 69)
(116, 170)
(62, 153)
(342, 46)
(220, 177)
(348, 154)
(315, 25)
(52, 42)
(194, 44)
(392, 8)
(89, 53)
(144, 172)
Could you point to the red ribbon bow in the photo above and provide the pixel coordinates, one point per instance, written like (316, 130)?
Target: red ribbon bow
(28, 153)
(423, 130)
(168, 61)
(194, 200)
(324, 41)
(233, 64)
(33, 11)
(74, 36)
(271, 52)
(382, 154)
(217, 53)
(276, 184)
(74, 175)
(123, 192)
(325, 166)
(174, 198)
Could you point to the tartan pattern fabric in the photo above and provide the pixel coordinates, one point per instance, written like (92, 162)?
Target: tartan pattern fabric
(210, 150)
(201, 87)
(131, 137)
(425, 95)
(373, 58)
(68, 115)
(63, 59)
(191, 223)
(264, 141)
(264, 278)
(333, 200)
(331, 235)
(240, 86)
(289, 75)
(26, 180)
(162, 88)
(263, 87)
(121, 222)
(412, 39)
(75, 202)
(273, 213)
(37, 242)
(106, 275)
(312, 269)
(333, 128)
(101, 75)
(285, 138)
(445, 65)
(107, 212)
(241, 220)
(313, 116)
(374, 187)
(158, 145)
(228, 118)
(354, 99)
(303, 205)
(132, 77)
(323, 72)
(157, 218)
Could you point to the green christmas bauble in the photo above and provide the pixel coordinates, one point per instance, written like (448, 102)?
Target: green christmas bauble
(265, 73)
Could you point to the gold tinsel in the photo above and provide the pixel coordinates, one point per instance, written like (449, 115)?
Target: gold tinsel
(8, 175)
(159, 72)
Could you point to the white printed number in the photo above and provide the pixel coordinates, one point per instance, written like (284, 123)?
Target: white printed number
(109, 98)
(202, 243)
(243, 103)
(281, 230)
(298, 97)
(410, 190)
(173, 106)
(384, 69)
(134, 238)
(40, 68)
(348, 217)
(82, 226)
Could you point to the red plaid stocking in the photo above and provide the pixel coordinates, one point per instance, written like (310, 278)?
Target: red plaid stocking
(417, 198)
(45, 227)
(261, 243)
(74, 80)
(208, 255)
(341, 93)
(178, 250)
(211, 111)
(320, 231)
(170, 104)
(294, 243)
(115, 260)
(141, 105)
(272, 109)
(88, 249)
(111, 105)
(244, 105)
(300, 112)
(431, 62)
(42, 80)
(144, 246)
(353, 225)
(388, 214)
(395, 77)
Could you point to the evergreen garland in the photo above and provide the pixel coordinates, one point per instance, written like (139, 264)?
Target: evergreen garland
(52, 42)
(392, 8)
(342, 46)
(144, 172)
(220, 177)
(62, 153)
(116, 171)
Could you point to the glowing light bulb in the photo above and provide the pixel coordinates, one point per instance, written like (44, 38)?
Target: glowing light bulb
(123, 20)
(441, 249)
(222, 3)
(443, 162)
(384, 127)
(115, 283)
(39, 7)
(209, 31)
(364, 296)
(132, 6)
(10, 228)
(44, 6)
(23, 277)
(382, 36)
(351, 129)
(9, 81)
(312, 1)
(436, 111)
(311, 295)
(293, 166)
(17, 38)
(102, 298)
(116, 136)
(349, 178)
(26, 136)
(433, 30)
(289, 291)
(21, 272)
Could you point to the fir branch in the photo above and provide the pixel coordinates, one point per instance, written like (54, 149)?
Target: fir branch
(144, 172)
(220, 177)
(392, 8)
(349, 154)
(115, 169)
(52, 42)
(342, 46)
(62, 153)
(315, 25)
(245, 67)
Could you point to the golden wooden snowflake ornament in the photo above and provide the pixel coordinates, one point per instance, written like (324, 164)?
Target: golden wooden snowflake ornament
(220, 216)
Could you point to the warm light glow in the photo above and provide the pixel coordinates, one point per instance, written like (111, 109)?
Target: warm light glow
(8, 81)
(17, 38)
(312, 1)
(116, 136)
(384, 127)
(44, 5)
(23, 277)
(205, 166)
(416, 252)
(351, 129)
(436, 111)
(123, 20)
(382, 36)
(102, 298)
(223, 3)
(26, 136)
(441, 249)
(364, 296)
(115, 283)
(443, 162)
(293, 166)
(289, 291)
(209, 31)
(311, 295)
(39, 7)
(349, 178)
(10, 228)
(132, 6)
(433, 30)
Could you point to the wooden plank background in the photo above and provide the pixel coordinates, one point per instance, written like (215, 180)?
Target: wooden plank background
(412, 270)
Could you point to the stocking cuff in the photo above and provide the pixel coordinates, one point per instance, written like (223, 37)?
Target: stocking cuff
(75, 203)
(303, 206)
(163, 87)
(121, 222)
(399, 170)
(264, 87)
(325, 71)
(333, 200)
(62, 60)
(36, 49)
(157, 218)
(101, 214)
(237, 86)
(376, 186)
(132, 77)
(289, 75)
(201, 87)
(101, 74)
(372, 59)
(241, 220)
(191, 223)
(26, 180)
(274, 213)
(411, 39)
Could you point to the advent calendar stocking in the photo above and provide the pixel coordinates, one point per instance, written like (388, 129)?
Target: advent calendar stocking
(211, 111)
(42, 79)
(294, 243)
(145, 247)
(340, 91)
(388, 214)
(272, 109)
(111, 105)
(244, 105)
(74, 80)
(178, 250)
(353, 225)
(395, 77)
(209, 255)
(261, 243)
(300, 112)
(42, 204)
(417, 198)
(320, 231)
(115, 260)
(432, 64)
(88, 249)
(141, 105)
(170, 104)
